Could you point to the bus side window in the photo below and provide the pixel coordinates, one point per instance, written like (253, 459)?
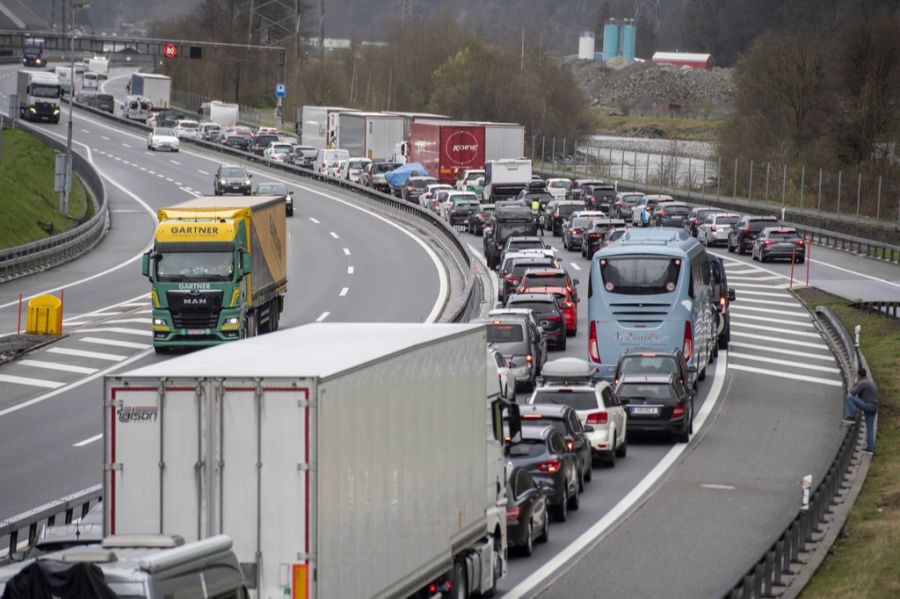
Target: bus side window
(591, 281)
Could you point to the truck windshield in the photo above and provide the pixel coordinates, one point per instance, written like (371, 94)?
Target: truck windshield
(44, 91)
(640, 275)
(188, 266)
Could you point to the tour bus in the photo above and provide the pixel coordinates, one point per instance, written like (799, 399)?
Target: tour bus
(651, 291)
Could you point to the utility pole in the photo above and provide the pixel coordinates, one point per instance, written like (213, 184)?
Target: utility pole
(68, 186)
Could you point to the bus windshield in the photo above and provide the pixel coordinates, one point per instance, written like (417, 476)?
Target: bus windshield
(640, 275)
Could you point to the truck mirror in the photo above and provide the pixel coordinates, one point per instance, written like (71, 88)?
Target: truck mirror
(246, 263)
(145, 264)
(731, 295)
(514, 422)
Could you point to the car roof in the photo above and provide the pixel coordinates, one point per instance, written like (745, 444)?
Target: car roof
(531, 297)
(514, 313)
(524, 238)
(542, 271)
(650, 353)
(779, 229)
(549, 410)
(536, 431)
(652, 379)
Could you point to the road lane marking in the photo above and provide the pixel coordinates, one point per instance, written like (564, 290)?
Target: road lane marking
(104, 138)
(143, 168)
(795, 364)
(126, 145)
(85, 131)
(115, 343)
(175, 162)
(88, 441)
(73, 385)
(314, 220)
(788, 375)
(856, 273)
(757, 327)
(634, 498)
(322, 316)
(344, 291)
(82, 353)
(790, 352)
(753, 285)
(797, 313)
(333, 234)
(782, 295)
(57, 366)
(796, 323)
(169, 179)
(202, 172)
(129, 320)
(776, 340)
(718, 487)
(23, 380)
(121, 330)
(346, 251)
(349, 270)
(744, 300)
(765, 278)
(575, 266)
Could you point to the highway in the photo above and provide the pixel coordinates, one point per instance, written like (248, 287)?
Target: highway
(669, 520)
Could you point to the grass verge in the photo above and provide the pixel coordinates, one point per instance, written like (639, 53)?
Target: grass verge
(669, 127)
(28, 204)
(864, 562)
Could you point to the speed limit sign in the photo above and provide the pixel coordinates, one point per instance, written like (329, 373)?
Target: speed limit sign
(170, 51)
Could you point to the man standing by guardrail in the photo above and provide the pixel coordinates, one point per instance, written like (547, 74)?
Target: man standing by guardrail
(863, 396)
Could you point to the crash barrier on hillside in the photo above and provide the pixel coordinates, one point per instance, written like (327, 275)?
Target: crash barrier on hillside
(70, 508)
(780, 561)
(890, 309)
(39, 255)
(460, 310)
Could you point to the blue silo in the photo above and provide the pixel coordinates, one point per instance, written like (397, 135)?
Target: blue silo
(610, 40)
(629, 40)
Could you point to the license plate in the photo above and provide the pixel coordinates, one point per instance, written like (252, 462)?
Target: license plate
(196, 331)
(645, 410)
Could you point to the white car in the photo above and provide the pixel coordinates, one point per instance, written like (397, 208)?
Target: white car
(328, 161)
(715, 228)
(453, 198)
(430, 193)
(469, 176)
(558, 188)
(354, 168)
(163, 138)
(277, 152)
(90, 80)
(601, 413)
(187, 129)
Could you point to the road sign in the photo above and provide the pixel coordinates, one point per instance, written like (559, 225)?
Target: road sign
(279, 90)
(170, 51)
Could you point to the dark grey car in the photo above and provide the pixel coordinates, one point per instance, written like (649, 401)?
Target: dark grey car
(548, 314)
(231, 179)
(543, 453)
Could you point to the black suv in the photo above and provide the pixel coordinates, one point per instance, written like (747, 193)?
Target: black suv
(542, 452)
(722, 296)
(261, 142)
(565, 419)
(741, 237)
(599, 197)
(231, 179)
(659, 403)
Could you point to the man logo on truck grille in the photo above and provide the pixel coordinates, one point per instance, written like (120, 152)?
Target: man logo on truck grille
(461, 148)
(137, 414)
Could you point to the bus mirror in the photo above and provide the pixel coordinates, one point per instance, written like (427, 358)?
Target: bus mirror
(145, 264)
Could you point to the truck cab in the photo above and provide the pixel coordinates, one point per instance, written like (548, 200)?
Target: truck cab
(39, 94)
(508, 221)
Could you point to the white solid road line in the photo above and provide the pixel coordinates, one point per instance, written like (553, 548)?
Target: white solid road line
(782, 330)
(73, 385)
(741, 308)
(767, 302)
(88, 441)
(796, 323)
(778, 340)
(764, 278)
(754, 285)
(344, 291)
(788, 375)
(115, 343)
(855, 272)
(795, 363)
(322, 316)
(631, 500)
(790, 352)
(22, 380)
(121, 330)
(783, 295)
(57, 366)
(83, 353)
(350, 270)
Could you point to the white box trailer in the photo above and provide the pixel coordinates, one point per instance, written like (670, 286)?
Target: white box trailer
(319, 127)
(222, 113)
(505, 178)
(345, 460)
(99, 65)
(503, 140)
(156, 88)
(369, 134)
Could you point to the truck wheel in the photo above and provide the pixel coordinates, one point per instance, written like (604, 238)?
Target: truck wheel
(460, 581)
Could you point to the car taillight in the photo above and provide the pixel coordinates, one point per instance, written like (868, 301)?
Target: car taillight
(688, 341)
(409, 188)
(598, 418)
(798, 241)
(593, 348)
(570, 444)
(767, 242)
(723, 301)
(550, 466)
(662, 212)
(529, 359)
(576, 231)
(712, 228)
(531, 416)
(512, 512)
(677, 412)
(594, 235)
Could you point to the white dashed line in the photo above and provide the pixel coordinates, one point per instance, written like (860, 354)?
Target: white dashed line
(88, 441)
(143, 168)
(23, 380)
(85, 131)
(575, 266)
(333, 234)
(169, 179)
(175, 162)
(104, 138)
(344, 291)
(202, 172)
(313, 220)
(57, 366)
(81, 353)
(152, 172)
(126, 145)
(349, 270)
(322, 316)
(346, 251)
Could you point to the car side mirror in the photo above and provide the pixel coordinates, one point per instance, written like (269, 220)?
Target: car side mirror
(576, 281)
(731, 295)
(250, 176)
(145, 264)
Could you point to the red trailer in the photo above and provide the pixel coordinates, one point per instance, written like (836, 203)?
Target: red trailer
(446, 148)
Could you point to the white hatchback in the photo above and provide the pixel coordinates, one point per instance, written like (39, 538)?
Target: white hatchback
(604, 418)
(187, 129)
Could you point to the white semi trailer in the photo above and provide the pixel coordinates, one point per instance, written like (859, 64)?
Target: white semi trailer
(38, 94)
(345, 460)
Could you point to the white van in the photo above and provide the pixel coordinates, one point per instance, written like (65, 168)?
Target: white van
(327, 161)
(90, 80)
(65, 80)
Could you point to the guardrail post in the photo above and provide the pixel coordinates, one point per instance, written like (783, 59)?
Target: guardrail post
(766, 200)
(750, 186)
(718, 177)
(840, 180)
(858, 193)
(747, 587)
(769, 573)
(779, 566)
(819, 202)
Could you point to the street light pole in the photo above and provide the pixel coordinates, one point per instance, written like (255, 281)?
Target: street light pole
(68, 187)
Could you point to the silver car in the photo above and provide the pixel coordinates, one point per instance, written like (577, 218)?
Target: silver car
(715, 228)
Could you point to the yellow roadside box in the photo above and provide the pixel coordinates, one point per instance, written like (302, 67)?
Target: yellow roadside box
(44, 316)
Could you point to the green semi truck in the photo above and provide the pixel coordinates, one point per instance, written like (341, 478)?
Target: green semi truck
(218, 270)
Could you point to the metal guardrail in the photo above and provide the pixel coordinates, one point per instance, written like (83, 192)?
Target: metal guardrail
(70, 507)
(38, 255)
(451, 313)
(890, 308)
(777, 561)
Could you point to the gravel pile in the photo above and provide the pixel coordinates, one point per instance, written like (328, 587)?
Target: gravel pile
(646, 87)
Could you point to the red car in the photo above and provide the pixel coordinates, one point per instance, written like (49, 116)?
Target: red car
(567, 303)
(555, 281)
